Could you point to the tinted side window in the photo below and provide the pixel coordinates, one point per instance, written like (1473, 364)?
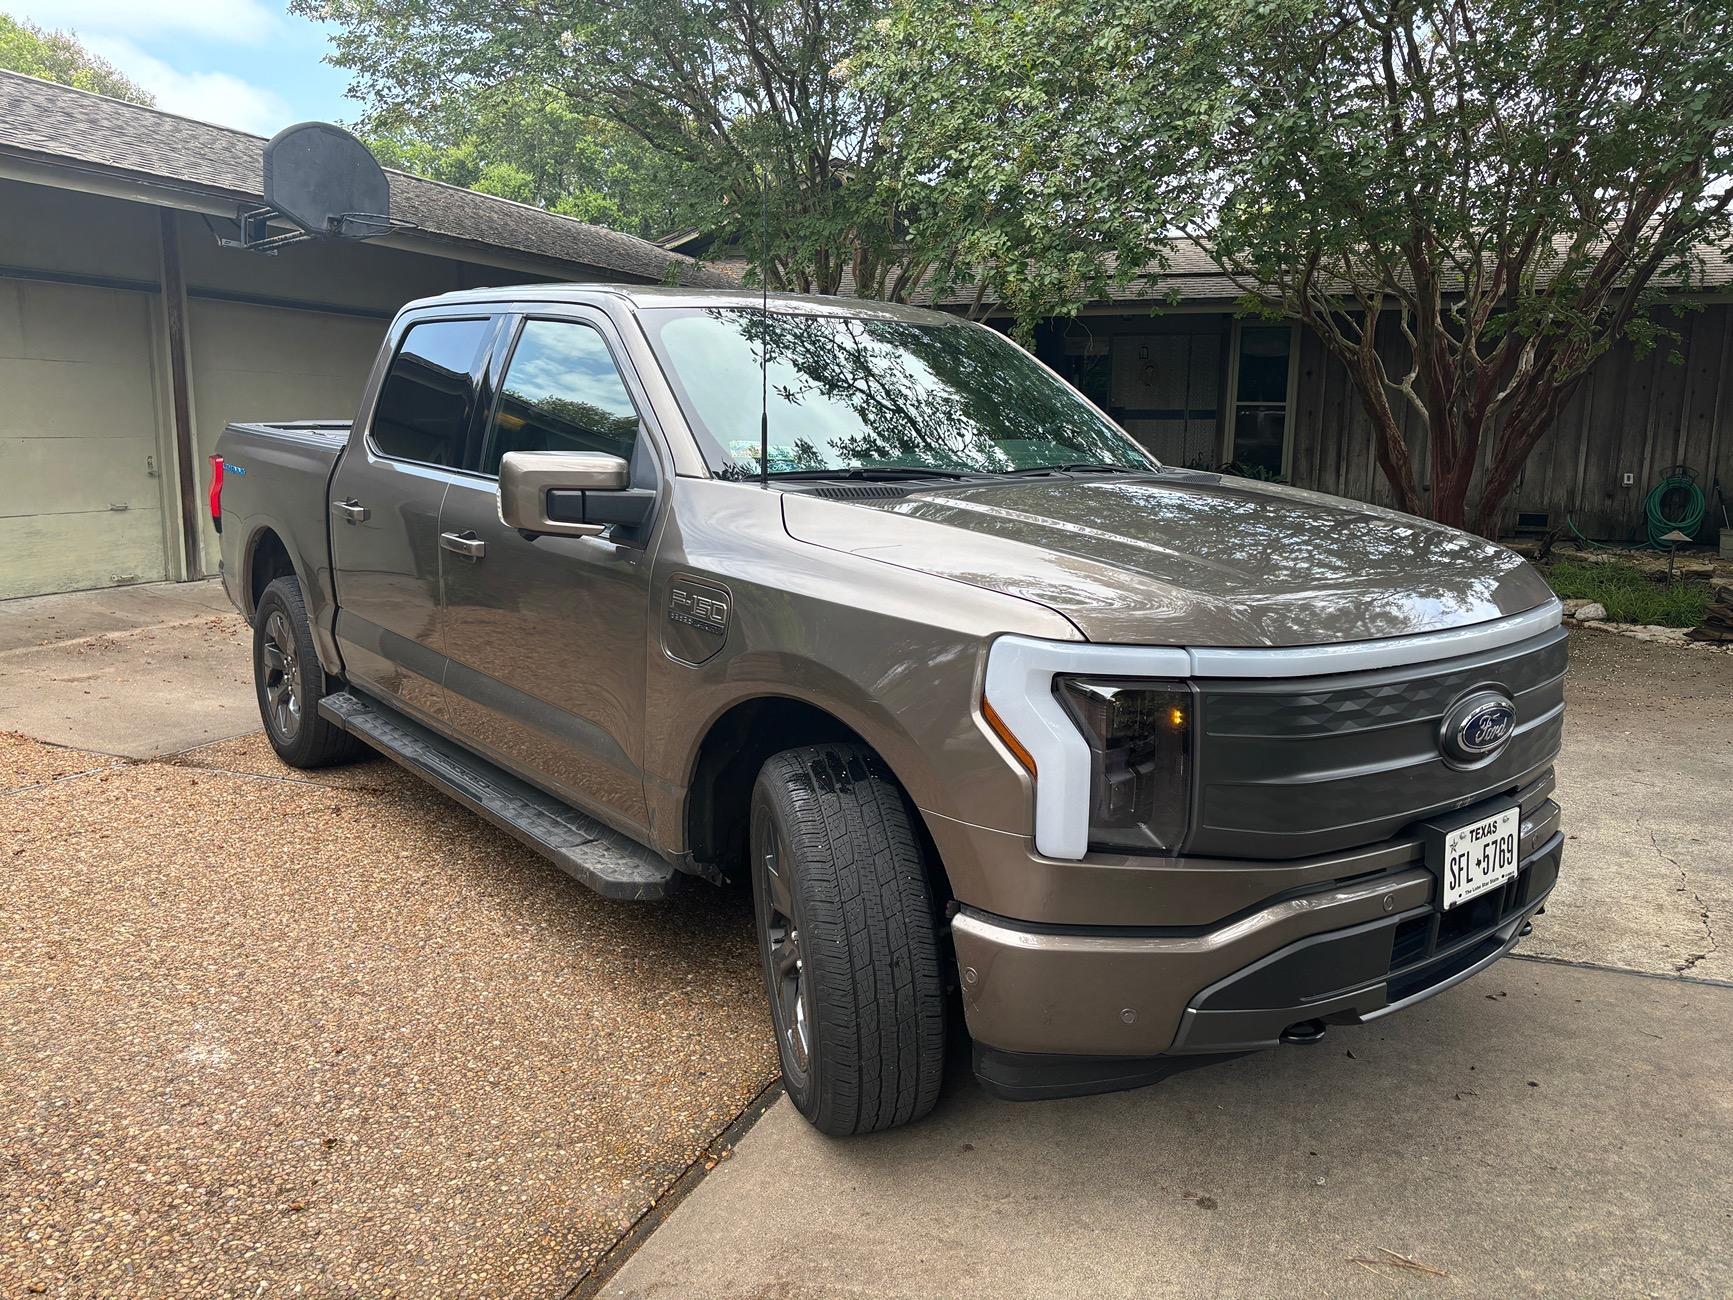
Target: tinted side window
(424, 405)
(561, 393)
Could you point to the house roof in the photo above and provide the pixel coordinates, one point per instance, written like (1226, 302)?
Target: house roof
(45, 122)
(1191, 277)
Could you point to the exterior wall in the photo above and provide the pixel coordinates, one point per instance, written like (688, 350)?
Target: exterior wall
(1167, 378)
(89, 491)
(1163, 378)
(1635, 413)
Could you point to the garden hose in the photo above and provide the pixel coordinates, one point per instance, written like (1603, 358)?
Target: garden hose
(1676, 503)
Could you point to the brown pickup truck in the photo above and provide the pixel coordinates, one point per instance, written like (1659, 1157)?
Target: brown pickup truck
(864, 606)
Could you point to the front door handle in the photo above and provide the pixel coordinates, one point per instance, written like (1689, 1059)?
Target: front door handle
(466, 544)
(352, 510)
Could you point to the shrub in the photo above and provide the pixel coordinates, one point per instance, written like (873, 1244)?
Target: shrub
(1631, 595)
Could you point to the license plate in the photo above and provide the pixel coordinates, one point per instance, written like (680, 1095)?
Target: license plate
(1479, 857)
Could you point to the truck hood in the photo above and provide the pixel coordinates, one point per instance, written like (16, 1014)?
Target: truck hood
(1185, 558)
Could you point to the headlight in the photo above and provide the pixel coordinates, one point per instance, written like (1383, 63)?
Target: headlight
(1139, 736)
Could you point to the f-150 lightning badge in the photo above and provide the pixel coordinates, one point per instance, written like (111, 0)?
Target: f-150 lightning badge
(704, 610)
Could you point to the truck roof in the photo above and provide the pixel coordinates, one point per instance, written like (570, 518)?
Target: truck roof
(643, 296)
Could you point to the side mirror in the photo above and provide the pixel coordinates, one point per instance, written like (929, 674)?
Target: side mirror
(569, 493)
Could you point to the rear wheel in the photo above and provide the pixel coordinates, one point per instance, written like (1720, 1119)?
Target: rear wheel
(848, 939)
(290, 682)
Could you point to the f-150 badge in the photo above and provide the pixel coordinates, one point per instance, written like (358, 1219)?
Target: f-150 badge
(704, 610)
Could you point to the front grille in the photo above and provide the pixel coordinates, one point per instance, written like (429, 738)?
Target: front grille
(1429, 949)
(1288, 768)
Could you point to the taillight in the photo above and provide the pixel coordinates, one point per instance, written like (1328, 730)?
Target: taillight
(217, 492)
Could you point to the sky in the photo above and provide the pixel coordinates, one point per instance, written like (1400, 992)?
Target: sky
(239, 63)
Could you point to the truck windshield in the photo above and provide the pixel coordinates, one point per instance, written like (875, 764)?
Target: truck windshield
(874, 393)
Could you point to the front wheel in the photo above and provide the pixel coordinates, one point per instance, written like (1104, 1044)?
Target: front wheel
(848, 939)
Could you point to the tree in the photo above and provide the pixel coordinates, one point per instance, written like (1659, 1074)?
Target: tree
(730, 96)
(526, 143)
(1512, 182)
(58, 56)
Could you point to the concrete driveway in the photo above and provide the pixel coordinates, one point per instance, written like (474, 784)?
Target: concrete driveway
(133, 671)
(1544, 1129)
(272, 1032)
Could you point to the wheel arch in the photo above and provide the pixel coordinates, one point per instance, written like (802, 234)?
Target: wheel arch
(267, 558)
(727, 762)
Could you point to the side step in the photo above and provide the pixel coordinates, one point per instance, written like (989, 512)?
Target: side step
(610, 863)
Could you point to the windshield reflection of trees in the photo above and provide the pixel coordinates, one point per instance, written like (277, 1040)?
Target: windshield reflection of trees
(935, 396)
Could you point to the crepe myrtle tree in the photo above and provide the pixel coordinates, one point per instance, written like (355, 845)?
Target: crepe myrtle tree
(727, 97)
(1512, 183)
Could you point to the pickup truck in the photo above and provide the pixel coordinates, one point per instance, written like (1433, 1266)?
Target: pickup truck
(862, 607)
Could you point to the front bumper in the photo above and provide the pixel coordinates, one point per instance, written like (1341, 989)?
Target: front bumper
(1056, 1011)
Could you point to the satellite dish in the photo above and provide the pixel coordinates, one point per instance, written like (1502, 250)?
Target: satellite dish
(324, 182)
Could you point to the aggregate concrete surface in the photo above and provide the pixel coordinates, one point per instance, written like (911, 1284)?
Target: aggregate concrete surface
(328, 1034)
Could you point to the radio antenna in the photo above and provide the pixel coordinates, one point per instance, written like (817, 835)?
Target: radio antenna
(764, 341)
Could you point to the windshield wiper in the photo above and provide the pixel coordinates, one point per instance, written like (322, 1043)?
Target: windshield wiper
(872, 473)
(1076, 467)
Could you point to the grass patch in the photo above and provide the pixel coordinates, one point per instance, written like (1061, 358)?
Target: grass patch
(1630, 595)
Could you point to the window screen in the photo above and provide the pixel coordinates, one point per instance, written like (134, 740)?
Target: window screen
(423, 410)
(561, 393)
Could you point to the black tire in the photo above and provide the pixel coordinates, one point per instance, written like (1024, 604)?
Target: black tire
(289, 682)
(847, 938)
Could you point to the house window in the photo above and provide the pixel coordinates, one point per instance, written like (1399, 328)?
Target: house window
(1263, 358)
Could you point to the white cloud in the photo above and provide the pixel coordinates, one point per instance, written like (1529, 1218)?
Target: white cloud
(218, 97)
(231, 21)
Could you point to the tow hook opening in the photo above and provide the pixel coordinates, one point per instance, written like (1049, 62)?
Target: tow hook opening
(1306, 1031)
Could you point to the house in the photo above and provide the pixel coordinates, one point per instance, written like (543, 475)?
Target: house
(1199, 385)
(130, 334)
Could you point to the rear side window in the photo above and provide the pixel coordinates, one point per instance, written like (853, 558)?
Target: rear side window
(562, 392)
(424, 406)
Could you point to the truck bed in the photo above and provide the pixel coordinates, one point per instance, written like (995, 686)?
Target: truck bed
(276, 477)
(333, 432)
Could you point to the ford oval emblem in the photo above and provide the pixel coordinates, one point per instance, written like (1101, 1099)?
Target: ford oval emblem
(1477, 727)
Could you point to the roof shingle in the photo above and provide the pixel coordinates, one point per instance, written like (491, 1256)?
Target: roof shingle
(51, 122)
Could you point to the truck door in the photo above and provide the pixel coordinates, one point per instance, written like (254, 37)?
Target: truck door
(545, 635)
(385, 500)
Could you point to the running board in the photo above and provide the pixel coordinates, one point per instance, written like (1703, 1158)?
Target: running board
(610, 863)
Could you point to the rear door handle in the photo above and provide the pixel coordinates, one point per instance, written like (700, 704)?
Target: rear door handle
(352, 510)
(464, 543)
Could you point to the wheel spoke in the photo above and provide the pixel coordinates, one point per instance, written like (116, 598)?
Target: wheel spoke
(784, 958)
(781, 896)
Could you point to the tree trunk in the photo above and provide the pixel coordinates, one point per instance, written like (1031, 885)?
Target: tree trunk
(1451, 475)
(1391, 447)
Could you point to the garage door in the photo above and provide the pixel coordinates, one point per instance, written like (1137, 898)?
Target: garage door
(273, 363)
(81, 487)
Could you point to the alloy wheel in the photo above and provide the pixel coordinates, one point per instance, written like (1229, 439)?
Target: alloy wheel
(282, 677)
(788, 998)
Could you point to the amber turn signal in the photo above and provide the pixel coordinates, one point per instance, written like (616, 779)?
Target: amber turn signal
(1005, 734)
